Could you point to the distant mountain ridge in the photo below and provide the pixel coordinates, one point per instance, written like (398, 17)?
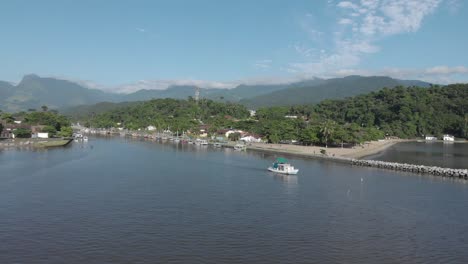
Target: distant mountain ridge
(34, 91)
(336, 88)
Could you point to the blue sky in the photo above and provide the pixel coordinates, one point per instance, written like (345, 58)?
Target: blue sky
(127, 45)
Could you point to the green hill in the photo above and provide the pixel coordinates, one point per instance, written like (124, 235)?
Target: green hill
(327, 89)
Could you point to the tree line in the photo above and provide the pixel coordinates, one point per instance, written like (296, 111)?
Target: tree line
(404, 112)
(51, 121)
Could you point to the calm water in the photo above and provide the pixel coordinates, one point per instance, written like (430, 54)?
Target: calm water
(112, 201)
(450, 155)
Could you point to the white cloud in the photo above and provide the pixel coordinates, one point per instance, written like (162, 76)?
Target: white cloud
(303, 50)
(164, 84)
(345, 21)
(347, 4)
(438, 74)
(141, 30)
(262, 64)
(365, 23)
(447, 70)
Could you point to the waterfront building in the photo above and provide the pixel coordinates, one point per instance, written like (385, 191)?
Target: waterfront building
(42, 135)
(251, 138)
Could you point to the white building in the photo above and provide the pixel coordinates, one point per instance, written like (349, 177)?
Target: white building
(449, 138)
(17, 122)
(42, 135)
(151, 128)
(252, 113)
(203, 133)
(291, 116)
(251, 139)
(430, 138)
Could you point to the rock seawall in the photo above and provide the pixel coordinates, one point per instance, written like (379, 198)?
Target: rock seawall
(433, 170)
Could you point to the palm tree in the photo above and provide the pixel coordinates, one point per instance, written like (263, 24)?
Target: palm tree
(327, 129)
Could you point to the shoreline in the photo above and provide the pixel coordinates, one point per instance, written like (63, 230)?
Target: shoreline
(354, 157)
(34, 142)
(344, 154)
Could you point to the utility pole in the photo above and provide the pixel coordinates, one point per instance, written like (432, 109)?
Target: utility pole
(197, 94)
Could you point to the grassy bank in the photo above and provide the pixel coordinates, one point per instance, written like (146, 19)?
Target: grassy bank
(35, 142)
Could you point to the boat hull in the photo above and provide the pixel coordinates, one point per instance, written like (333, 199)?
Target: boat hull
(289, 172)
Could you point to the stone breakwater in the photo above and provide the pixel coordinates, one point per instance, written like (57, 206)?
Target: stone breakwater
(437, 171)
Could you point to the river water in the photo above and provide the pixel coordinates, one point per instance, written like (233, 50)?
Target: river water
(441, 154)
(128, 201)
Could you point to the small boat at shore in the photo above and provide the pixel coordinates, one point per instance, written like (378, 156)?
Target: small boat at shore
(201, 142)
(240, 147)
(282, 166)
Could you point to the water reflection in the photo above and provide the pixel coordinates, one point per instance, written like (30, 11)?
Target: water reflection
(289, 180)
(446, 154)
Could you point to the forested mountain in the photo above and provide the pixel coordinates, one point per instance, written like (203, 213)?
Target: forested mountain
(404, 112)
(34, 91)
(6, 89)
(335, 88)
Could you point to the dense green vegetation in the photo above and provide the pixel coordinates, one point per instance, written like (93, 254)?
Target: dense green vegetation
(181, 115)
(401, 112)
(23, 133)
(52, 122)
(404, 112)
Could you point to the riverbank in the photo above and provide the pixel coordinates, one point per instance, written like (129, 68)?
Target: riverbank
(34, 142)
(353, 156)
(357, 152)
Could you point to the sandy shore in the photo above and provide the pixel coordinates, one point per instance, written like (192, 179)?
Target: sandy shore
(357, 152)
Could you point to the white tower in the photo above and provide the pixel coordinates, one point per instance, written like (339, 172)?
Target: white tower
(197, 93)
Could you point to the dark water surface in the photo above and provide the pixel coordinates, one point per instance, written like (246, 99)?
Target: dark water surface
(448, 154)
(113, 201)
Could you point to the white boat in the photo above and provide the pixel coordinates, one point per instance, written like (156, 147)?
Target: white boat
(240, 147)
(201, 142)
(282, 166)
